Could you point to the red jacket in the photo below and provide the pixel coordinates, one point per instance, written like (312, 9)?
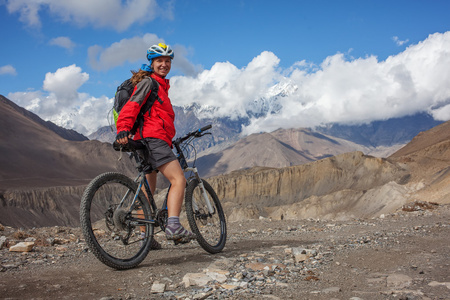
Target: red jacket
(160, 122)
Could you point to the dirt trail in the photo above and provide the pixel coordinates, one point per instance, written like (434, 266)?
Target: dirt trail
(401, 256)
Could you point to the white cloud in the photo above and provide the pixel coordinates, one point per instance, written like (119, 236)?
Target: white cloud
(442, 114)
(134, 50)
(28, 10)
(64, 83)
(8, 70)
(116, 14)
(127, 50)
(63, 42)
(398, 41)
(340, 90)
(228, 88)
(63, 104)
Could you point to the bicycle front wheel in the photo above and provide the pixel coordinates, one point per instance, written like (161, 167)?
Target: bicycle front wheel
(209, 226)
(110, 221)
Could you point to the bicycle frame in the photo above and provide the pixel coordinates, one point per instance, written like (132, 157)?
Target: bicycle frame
(142, 181)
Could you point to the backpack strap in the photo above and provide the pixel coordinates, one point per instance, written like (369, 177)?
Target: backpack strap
(154, 87)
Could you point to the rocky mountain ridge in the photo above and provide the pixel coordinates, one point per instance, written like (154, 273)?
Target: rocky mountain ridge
(67, 134)
(40, 170)
(34, 155)
(345, 186)
(278, 149)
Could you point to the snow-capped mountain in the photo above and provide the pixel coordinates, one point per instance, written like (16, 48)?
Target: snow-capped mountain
(269, 103)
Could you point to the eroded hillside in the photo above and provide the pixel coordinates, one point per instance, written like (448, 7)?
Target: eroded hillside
(350, 185)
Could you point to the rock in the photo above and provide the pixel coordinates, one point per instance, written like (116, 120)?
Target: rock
(282, 284)
(301, 254)
(435, 283)
(198, 279)
(62, 248)
(300, 257)
(218, 276)
(158, 288)
(22, 247)
(260, 266)
(202, 296)
(398, 281)
(3, 241)
(229, 286)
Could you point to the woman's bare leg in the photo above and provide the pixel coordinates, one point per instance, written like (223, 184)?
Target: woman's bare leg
(173, 172)
(151, 179)
(174, 230)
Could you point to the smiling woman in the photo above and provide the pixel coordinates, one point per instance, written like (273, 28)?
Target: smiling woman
(156, 132)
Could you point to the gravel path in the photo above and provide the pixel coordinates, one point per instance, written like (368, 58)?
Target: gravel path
(405, 255)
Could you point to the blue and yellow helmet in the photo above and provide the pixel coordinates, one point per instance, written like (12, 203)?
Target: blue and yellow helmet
(159, 50)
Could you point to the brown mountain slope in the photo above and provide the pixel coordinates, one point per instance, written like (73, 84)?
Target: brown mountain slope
(425, 139)
(42, 175)
(31, 155)
(281, 148)
(67, 134)
(427, 157)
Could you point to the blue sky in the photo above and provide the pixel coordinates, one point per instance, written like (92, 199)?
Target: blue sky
(60, 59)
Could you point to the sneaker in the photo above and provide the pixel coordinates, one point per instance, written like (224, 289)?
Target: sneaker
(179, 234)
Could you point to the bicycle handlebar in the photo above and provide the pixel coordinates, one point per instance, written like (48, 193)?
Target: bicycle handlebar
(196, 133)
(133, 145)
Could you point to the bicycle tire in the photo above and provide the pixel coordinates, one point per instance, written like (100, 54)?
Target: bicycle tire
(210, 229)
(107, 229)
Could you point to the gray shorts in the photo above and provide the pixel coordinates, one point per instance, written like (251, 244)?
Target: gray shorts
(160, 154)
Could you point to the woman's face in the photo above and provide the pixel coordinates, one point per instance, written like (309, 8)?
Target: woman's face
(161, 65)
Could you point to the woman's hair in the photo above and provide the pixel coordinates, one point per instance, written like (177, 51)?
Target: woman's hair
(138, 76)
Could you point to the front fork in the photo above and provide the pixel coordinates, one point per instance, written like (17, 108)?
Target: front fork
(202, 189)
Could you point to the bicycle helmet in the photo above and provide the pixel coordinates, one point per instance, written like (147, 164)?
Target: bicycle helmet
(159, 50)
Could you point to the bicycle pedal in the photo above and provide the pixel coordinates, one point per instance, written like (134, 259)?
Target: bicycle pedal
(180, 241)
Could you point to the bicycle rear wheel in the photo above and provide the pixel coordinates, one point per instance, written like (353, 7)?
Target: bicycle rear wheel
(210, 228)
(110, 221)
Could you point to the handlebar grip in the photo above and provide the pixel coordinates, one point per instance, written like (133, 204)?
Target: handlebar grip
(205, 128)
(132, 145)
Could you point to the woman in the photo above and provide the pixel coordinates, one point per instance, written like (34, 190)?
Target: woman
(158, 131)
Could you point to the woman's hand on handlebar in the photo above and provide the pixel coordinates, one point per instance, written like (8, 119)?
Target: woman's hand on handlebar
(123, 136)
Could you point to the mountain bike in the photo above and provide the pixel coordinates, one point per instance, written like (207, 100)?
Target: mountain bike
(119, 216)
